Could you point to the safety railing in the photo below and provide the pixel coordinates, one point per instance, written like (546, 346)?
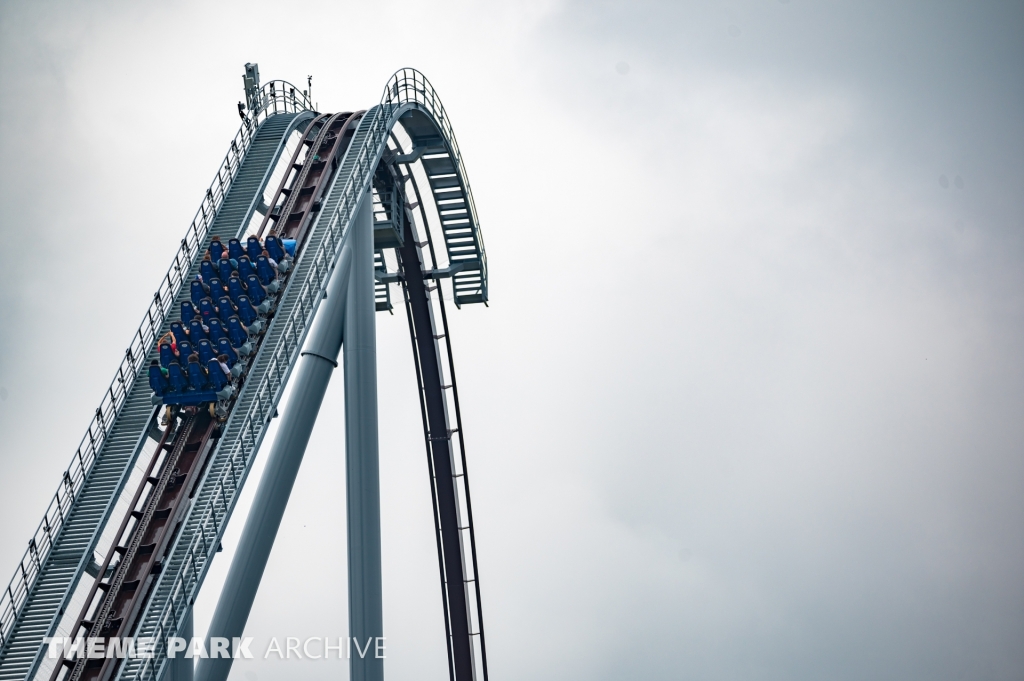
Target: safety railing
(409, 85)
(275, 97)
(406, 86)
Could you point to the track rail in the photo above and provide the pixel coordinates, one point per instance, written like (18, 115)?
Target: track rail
(438, 392)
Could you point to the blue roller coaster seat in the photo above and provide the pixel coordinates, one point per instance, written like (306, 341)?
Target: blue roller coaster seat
(216, 331)
(246, 312)
(176, 378)
(217, 289)
(274, 248)
(256, 292)
(216, 374)
(206, 309)
(245, 268)
(157, 381)
(197, 377)
(205, 351)
(196, 291)
(188, 311)
(224, 348)
(195, 332)
(264, 271)
(207, 270)
(253, 248)
(236, 334)
(235, 289)
(179, 332)
(184, 350)
(166, 355)
(216, 248)
(225, 309)
(224, 269)
(235, 249)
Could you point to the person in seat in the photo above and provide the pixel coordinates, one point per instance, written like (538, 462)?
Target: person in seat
(225, 309)
(222, 362)
(275, 247)
(197, 331)
(188, 311)
(198, 290)
(267, 275)
(169, 339)
(196, 373)
(216, 247)
(235, 250)
(217, 289)
(168, 353)
(206, 351)
(247, 313)
(245, 267)
(235, 289)
(238, 334)
(224, 345)
(216, 331)
(179, 332)
(158, 381)
(176, 376)
(273, 263)
(253, 247)
(184, 350)
(207, 269)
(207, 309)
(226, 267)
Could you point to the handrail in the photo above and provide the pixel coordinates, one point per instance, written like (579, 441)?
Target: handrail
(406, 86)
(275, 97)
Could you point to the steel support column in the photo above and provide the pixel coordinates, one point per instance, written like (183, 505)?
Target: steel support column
(365, 606)
(309, 383)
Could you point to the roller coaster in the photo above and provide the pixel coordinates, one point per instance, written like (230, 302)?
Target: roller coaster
(312, 221)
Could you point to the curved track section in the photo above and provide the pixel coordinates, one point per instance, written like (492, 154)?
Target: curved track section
(319, 205)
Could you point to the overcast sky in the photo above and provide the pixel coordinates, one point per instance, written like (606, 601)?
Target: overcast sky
(748, 401)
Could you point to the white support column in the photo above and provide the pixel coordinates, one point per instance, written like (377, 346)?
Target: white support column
(366, 621)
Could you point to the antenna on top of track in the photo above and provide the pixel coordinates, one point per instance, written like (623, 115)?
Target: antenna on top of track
(251, 79)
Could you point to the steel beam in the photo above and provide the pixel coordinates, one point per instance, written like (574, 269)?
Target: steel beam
(365, 604)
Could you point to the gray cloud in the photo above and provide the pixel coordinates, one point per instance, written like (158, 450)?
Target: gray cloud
(746, 403)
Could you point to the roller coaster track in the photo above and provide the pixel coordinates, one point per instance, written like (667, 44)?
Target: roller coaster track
(100, 498)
